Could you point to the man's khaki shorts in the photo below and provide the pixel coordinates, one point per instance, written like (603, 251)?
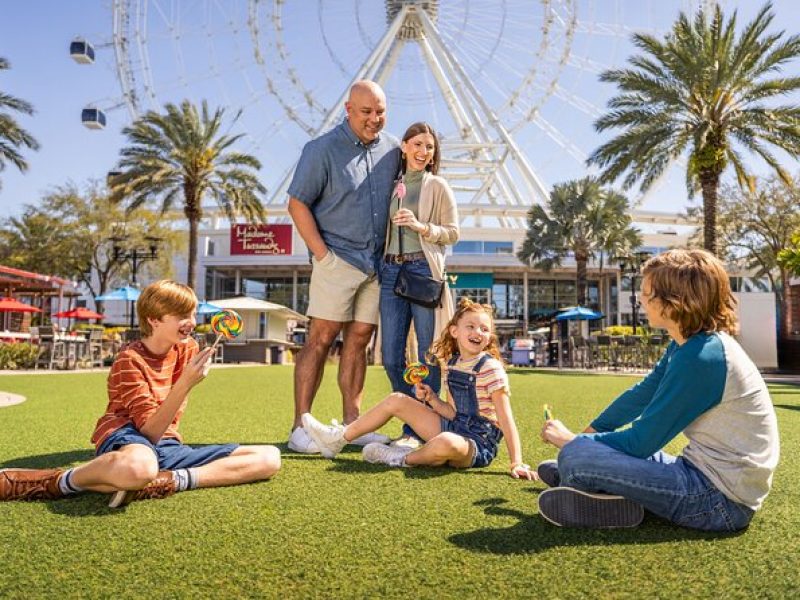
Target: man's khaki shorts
(340, 292)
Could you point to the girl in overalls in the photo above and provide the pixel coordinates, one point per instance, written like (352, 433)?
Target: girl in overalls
(462, 433)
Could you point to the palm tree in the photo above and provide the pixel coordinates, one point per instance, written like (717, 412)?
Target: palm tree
(700, 91)
(582, 219)
(181, 154)
(12, 136)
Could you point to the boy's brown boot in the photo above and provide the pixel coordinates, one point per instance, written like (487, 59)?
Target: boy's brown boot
(161, 487)
(30, 484)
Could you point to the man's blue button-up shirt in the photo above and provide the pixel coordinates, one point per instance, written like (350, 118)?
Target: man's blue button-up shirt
(348, 185)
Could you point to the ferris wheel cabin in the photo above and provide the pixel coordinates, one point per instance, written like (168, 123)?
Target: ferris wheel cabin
(81, 51)
(93, 118)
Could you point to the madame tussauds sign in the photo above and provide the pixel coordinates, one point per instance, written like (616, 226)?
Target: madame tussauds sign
(249, 238)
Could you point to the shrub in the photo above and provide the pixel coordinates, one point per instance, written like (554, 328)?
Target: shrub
(203, 328)
(18, 355)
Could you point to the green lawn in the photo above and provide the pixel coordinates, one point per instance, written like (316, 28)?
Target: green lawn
(348, 529)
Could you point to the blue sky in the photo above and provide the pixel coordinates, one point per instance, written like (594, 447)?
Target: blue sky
(204, 49)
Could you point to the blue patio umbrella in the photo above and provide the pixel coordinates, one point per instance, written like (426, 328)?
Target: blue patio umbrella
(127, 293)
(579, 313)
(206, 308)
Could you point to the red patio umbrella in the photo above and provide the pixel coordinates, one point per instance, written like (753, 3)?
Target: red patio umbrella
(80, 312)
(11, 305)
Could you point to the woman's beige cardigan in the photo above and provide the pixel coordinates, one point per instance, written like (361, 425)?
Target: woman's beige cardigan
(437, 208)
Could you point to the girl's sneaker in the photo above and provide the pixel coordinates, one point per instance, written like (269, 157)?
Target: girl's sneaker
(328, 438)
(568, 507)
(394, 456)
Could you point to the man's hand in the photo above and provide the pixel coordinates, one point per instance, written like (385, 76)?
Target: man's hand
(554, 432)
(523, 471)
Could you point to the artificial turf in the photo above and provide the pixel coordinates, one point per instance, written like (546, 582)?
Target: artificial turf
(348, 529)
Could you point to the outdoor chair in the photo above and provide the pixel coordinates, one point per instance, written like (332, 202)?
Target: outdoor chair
(604, 351)
(51, 350)
(632, 355)
(95, 348)
(131, 335)
(580, 351)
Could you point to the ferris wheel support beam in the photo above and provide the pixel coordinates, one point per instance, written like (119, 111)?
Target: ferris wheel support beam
(456, 82)
(469, 126)
(388, 65)
(517, 155)
(370, 66)
(121, 36)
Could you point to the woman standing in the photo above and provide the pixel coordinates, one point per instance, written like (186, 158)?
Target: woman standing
(424, 213)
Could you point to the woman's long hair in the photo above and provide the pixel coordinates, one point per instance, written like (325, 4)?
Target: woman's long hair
(446, 345)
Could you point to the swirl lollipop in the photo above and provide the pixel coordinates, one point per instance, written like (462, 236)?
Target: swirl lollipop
(226, 324)
(415, 372)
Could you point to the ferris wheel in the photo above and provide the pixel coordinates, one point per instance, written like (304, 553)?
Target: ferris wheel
(510, 85)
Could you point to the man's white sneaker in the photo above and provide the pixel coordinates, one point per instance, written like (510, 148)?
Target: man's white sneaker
(407, 441)
(371, 438)
(394, 456)
(329, 438)
(300, 442)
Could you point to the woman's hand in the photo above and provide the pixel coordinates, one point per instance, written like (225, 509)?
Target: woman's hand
(554, 432)
(523, 471)
(406, 218)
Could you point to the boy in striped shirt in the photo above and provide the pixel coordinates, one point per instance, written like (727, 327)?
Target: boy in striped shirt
(140, 453)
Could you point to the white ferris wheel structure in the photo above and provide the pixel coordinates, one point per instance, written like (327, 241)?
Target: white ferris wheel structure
(510, 85)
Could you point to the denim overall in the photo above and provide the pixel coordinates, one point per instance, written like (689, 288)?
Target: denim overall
(481, 433)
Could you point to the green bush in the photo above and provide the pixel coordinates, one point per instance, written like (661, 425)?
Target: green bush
(87, 327)
(203, 328)
(18, 355)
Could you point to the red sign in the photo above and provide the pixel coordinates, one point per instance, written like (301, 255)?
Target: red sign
(261, 239)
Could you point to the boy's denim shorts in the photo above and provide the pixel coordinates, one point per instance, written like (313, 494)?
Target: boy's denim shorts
(170, 453)
(480, 433)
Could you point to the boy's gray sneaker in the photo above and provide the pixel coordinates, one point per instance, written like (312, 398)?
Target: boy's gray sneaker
(548, 473)
(328, 438)
(568, 507)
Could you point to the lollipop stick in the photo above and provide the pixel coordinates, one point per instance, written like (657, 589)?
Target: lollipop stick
(214, 345)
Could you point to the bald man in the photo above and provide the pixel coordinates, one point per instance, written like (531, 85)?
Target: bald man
(339, 202)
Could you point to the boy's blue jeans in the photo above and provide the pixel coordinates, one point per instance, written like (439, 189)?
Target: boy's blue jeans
(396, 316)
(667, 486)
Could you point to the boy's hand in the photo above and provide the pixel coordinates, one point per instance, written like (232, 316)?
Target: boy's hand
(554, 432)
(197, 368)
(523, 471)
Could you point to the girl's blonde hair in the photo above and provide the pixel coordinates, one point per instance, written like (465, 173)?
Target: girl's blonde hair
(162, 298)
(694, 290)
(446, 345)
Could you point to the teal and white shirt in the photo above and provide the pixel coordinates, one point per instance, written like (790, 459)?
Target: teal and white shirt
(709, 389)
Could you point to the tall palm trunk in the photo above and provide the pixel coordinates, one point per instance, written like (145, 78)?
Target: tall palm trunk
(709, 183)
(193, 214)
(581, 259)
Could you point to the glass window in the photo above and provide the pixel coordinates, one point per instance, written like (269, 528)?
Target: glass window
(498, 247)
(480, 295)
(467, 248)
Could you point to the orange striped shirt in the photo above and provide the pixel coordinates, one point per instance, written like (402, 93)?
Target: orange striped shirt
(138, 383)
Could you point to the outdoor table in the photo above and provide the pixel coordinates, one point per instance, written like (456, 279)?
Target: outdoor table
(14, 336)
(76, 346)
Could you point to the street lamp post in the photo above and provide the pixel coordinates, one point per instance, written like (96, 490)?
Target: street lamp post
(631, 265)
(136, 256)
